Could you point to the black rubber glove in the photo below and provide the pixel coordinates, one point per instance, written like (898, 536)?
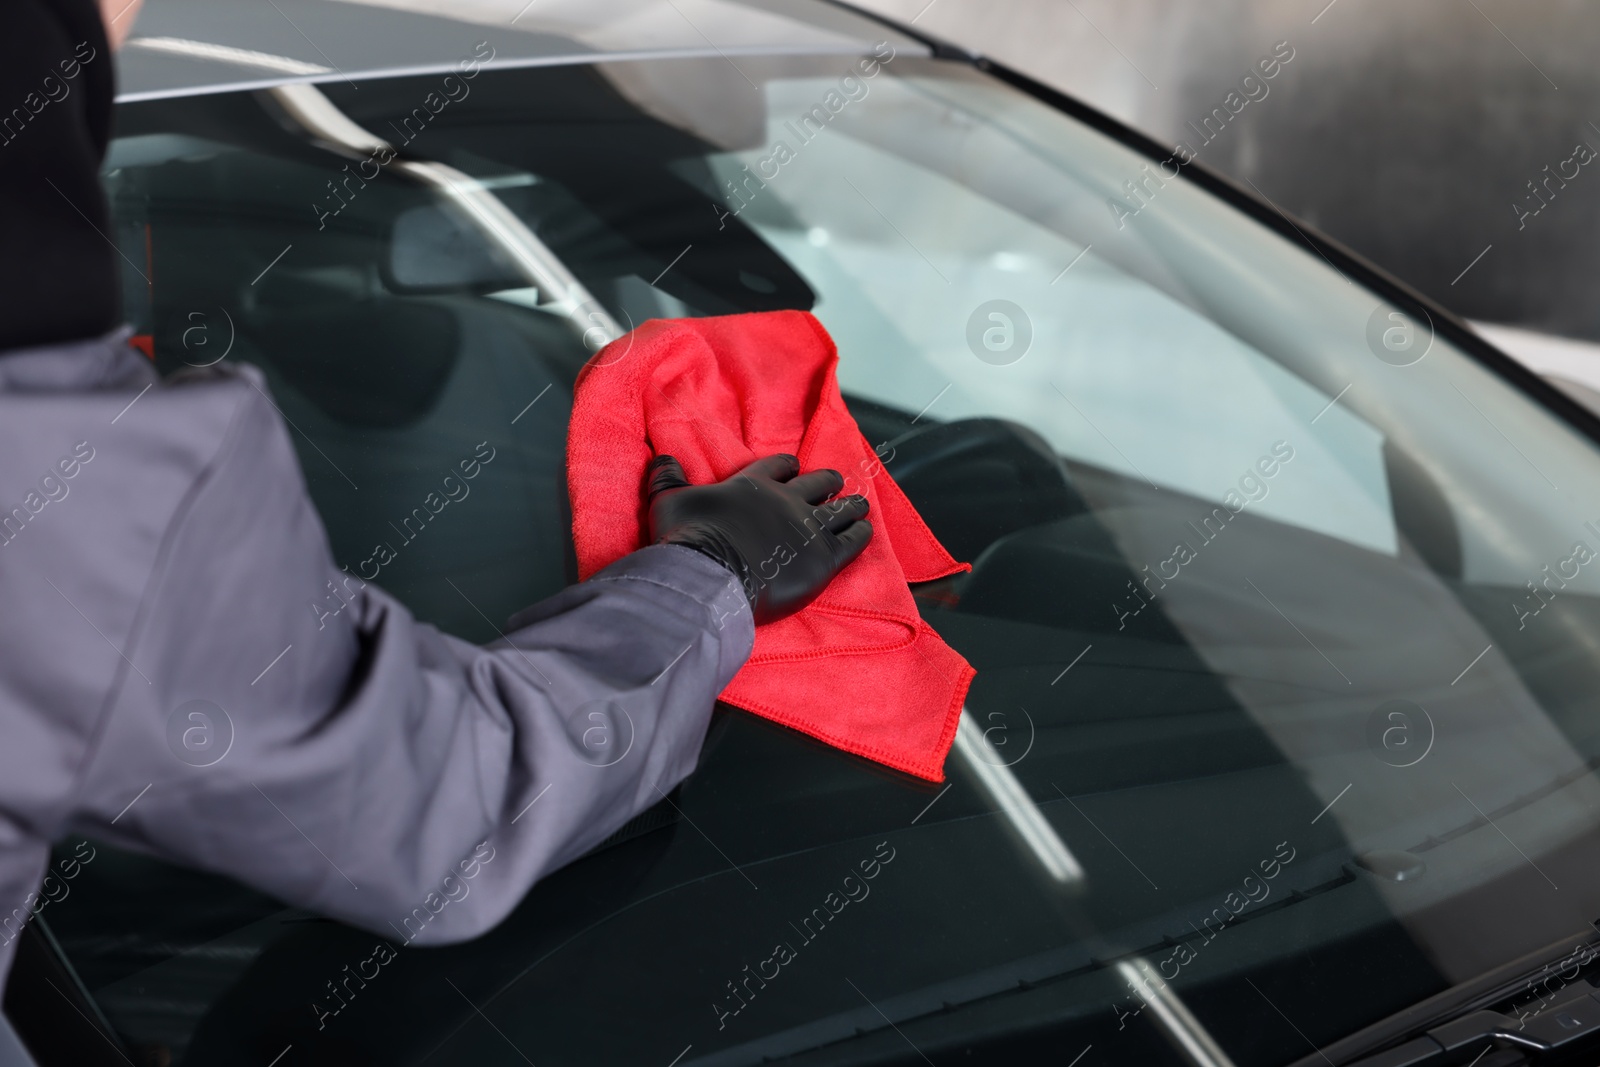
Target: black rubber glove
(769, 527)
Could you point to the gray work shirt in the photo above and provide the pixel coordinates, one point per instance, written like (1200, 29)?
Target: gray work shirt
(158, 550)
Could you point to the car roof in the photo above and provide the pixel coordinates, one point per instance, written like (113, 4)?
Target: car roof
(188, 47)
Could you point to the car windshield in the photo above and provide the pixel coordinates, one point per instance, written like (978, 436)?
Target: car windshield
(1285, 632)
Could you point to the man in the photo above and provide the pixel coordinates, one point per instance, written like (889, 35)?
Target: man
(157, 550)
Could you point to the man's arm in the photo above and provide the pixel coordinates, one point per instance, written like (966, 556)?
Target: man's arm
(380, 771)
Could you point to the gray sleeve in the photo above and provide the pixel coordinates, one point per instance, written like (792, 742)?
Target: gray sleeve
(302, 732)
(12, 1054)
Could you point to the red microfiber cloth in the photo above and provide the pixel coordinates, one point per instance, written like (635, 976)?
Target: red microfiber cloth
(857, 668)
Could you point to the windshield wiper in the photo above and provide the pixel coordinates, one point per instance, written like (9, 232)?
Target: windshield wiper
(1550, 1008)
(1565, 1025)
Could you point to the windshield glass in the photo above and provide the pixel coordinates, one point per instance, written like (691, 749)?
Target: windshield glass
(1281, 607)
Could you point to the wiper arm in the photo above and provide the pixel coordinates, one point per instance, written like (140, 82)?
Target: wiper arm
(1570, 1019)
(1559, 1027)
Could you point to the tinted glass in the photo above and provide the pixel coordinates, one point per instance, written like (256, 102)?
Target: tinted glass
(1281, 606)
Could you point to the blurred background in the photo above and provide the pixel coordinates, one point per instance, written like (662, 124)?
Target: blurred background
(1413, 132)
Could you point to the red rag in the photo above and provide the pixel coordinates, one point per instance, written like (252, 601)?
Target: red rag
(857, 668)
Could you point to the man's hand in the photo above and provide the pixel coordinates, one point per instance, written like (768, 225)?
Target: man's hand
(765, 524)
